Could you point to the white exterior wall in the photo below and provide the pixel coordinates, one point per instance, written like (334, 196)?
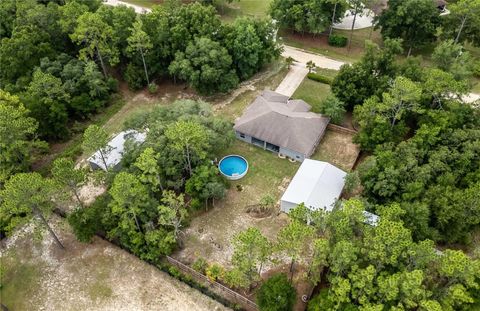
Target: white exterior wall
(286, 206)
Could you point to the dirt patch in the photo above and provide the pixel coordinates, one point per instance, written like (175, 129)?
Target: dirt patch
(96, 276)
(338, 149)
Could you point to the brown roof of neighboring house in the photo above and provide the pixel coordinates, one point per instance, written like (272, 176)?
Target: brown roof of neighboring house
(276, 119)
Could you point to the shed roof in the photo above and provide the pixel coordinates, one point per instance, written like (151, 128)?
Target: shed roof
(317, 184)
(275, 118)
(117, 145)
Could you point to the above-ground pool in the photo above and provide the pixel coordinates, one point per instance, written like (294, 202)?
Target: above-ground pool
(233, 167)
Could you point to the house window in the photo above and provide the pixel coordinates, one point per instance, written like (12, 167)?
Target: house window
(242, 135)
(298, 157)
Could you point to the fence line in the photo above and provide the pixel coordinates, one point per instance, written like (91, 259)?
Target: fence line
(232, 294)
(340, 129)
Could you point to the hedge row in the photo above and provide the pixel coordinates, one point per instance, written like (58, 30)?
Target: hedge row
(319, 78)
(338, 41)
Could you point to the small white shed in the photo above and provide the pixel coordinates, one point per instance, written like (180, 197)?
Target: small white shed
(116, 148)
(317, 184)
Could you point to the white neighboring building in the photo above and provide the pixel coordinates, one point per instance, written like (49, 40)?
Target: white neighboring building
(317, 184)
(117, 145)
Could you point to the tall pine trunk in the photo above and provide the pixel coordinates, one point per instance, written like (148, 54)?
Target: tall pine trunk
(144, 66)
(52, 233)
(333, 19)
(101, 62)
(464, 19)
(353, 27)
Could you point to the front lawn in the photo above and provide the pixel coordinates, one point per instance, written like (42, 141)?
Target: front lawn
(313, 93)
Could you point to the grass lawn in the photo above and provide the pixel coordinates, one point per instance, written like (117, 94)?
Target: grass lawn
(313, 93)
(251, 8)
(319, 43)
(209, 235)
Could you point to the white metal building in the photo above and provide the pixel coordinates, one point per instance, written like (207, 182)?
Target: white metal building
(317, 184)
(115, 150)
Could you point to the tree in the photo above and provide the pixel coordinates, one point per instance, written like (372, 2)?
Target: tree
(276, 294)
(46, 99)
(333, 108)
(414, 21)
(292, 240)
(69, 178)
(190, 138)
(18, 141)
(97, 37)
(147, 163)
(356, 7)
(69, 14)
(251, 251)
(205, 184)
(96, 139)
(312, 16)
(451, 57)
(173, 211)
(343, 5)
(27, 195)
(206, 66)
(139, 42)
(310, 66)
(463, 22)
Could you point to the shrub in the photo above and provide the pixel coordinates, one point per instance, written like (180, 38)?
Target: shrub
(476, 69)
(276, 294)
(152, 88)
(334, 108)
(320, 78)
(86, 222)
(338, 41)
(173, 271)
(215, 272)
(200, 265)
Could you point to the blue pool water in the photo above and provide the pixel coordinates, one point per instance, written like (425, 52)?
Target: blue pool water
(233, 166)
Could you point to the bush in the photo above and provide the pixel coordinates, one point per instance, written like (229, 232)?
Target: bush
(276, 294)
(86, 222)
(152, 88)
(333, 108)
(200, 265)
(320, 78)
(215, 272)
(338, 41)
(476, 69)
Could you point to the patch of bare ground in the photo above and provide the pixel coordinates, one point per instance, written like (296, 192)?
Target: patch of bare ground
(96, 276)
(338, 149)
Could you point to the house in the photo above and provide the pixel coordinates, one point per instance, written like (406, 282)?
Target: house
(114, 151)
(316, 184)
(282, 125)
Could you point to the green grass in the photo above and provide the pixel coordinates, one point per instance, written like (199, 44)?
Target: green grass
(313, 93)
(19, 280)
(251, 8)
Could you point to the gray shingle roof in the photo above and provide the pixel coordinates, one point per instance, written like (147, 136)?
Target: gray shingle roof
(274, 118)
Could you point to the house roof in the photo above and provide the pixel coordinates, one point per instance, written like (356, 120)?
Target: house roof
(275, 118)
(117, 145)
(317, 184)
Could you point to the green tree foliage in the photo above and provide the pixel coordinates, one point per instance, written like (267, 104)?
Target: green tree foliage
(97, 39)
(205, 184)
(150, 172)
(370, 76)
(95, 139)
(172, 211)
(18, 142)
(46, 99)
(139, 44)
(374, 268)
(451, 57)
(434, 174)
(276, 294)
(414, 21)
(333, 108)
(383, 121)
(312, 16)
(251, 252)
(206, 66)
(463, 22)
(68, 178)
(26, 196)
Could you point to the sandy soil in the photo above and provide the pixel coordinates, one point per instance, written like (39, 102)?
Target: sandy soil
(94, 277)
